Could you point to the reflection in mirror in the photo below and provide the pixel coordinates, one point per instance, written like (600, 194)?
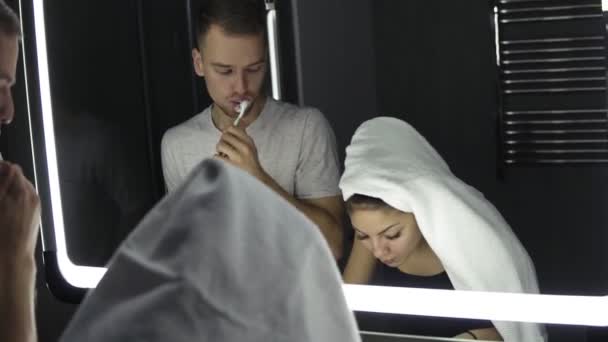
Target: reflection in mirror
(436, 69)
(100, 126)
(427, 229)
(439, 80)
(100, 168)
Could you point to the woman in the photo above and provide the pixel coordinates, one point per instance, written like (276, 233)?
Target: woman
(427, 228)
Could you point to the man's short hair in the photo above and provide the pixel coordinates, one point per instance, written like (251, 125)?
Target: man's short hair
(9, 22)
(233, 16)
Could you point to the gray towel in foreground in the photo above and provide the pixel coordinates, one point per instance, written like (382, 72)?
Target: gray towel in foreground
(221, 259)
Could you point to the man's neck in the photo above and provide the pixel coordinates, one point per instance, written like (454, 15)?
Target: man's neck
(222, 121)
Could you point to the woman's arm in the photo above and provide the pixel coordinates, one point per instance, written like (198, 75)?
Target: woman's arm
(485, 334)
(360, 265)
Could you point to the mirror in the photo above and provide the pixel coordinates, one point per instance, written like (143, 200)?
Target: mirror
(100, 127)
(109, 93)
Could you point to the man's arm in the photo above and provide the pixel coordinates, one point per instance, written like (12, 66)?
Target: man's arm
(169, 164)
(360, 266)
(486, 334)
(325, 212)
(17, 281)
(19, 221)
(237, 148)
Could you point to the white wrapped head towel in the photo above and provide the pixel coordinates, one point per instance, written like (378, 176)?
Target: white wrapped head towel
(388, 159)
(221, 259)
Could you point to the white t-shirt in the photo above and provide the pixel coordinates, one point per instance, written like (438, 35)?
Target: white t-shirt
(296, 147)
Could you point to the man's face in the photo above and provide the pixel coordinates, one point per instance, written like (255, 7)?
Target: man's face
(8, 67)
(233, 67)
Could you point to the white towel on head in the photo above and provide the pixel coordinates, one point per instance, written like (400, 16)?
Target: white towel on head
(390, 160)
(221, 259)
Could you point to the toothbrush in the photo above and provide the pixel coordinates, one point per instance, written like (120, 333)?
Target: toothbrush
(242, 108)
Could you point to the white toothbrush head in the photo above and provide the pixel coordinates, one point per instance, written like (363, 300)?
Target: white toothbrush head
(242, 108)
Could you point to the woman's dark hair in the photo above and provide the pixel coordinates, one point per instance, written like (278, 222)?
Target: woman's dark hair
(358, 201)
(233, 16)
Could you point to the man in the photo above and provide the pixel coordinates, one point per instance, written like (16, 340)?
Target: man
(290, 149)
(19, 209)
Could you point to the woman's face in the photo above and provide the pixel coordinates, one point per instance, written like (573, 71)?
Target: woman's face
(391, 235)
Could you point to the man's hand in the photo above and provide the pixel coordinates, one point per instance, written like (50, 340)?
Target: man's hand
(238, 148)
(19, 215)
(19, 220)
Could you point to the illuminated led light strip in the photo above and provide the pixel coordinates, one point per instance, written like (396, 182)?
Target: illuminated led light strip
(275, 68)
(497, 35)
(604, 5)
(579, 310)
(519, 307)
